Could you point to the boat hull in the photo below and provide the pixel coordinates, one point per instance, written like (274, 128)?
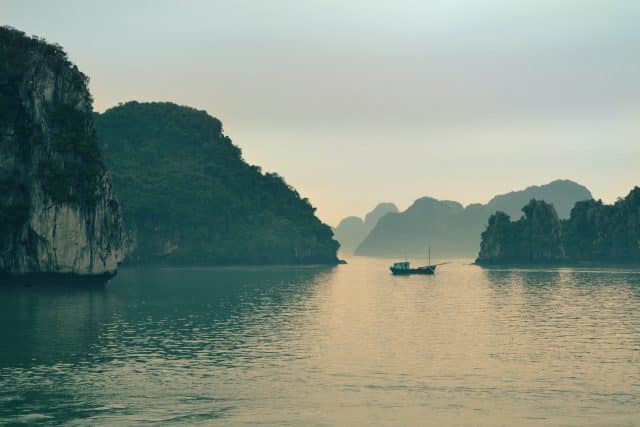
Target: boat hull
(425, 271)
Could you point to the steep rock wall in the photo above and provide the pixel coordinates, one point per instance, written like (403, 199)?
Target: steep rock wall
(57, 210)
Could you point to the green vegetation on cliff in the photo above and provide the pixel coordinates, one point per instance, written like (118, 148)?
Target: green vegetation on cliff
(594, 232)
(599, 232)
(73, 165)
(57, 213)
(534, 238)
(189, 198)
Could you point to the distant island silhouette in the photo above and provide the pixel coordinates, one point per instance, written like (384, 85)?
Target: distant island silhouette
(452, 229)
(352, 230)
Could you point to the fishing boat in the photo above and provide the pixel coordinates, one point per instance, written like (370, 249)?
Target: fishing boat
(404, 268)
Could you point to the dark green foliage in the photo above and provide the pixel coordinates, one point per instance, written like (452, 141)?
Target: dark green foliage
(18, 52)
(604, 232)
(70, 170)
(539, 233)
(73, 175)
(189, 197)
(594, 232)
(534, 238)
(498, 240)
(584, 233)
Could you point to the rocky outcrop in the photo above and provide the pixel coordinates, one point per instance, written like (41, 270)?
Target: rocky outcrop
(533, 239)
(57, 211)
(594, 233)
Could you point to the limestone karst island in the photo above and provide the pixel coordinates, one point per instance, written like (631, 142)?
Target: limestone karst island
(58, 213)
(183, 194)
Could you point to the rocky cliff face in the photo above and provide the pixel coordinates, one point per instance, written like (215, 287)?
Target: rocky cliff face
(57, 210)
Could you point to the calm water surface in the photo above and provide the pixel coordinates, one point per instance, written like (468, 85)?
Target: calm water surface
(349, 345)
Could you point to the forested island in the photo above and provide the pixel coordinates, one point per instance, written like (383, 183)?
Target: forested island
(593, 233)
(183, 194)
(188, 196)
(182, 187)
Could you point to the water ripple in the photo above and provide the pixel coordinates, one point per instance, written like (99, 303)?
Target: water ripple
(315, 346)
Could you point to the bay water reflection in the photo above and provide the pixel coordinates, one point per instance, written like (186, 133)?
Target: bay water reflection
(349, 345)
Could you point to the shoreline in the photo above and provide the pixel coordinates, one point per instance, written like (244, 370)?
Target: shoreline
(126, 264)
(574, 264)
(55, 279)
(97, 280)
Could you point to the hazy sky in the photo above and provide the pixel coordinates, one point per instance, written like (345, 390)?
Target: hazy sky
(360, 102)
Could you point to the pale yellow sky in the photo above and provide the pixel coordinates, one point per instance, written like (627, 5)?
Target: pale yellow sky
(358, 103)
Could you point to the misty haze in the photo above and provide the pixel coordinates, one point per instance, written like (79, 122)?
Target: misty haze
(319, 213)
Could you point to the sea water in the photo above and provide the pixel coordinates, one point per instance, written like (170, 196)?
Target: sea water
(348, 345)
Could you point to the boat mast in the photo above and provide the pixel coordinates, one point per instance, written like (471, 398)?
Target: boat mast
(429, 256)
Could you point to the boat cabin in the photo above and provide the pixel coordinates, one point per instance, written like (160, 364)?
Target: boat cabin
(401, 266)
